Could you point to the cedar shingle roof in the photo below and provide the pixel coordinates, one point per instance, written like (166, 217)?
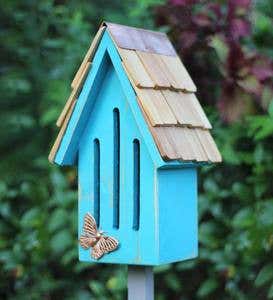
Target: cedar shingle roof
(165, 93)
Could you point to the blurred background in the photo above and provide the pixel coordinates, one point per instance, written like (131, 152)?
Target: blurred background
(227, 47)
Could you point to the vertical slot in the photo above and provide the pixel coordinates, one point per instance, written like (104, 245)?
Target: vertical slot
(136, 184)
(97, 181)
(116, 175)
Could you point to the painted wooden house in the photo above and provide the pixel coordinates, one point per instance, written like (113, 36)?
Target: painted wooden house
(137, 133)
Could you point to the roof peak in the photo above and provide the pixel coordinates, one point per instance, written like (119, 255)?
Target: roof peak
(106, 23)
(133, 38)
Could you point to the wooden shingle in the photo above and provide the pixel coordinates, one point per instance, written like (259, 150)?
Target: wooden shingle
(61, 132)
(209, 145)
(154, 70)
(155, 107)
(89, 55)
(135, 68)
(179, 72)
(164, 90)
(74, 94)
(179, 107)
(199, 110)
(164, 143)
(183, 108)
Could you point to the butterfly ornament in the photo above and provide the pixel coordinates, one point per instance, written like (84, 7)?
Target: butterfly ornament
(95, 239)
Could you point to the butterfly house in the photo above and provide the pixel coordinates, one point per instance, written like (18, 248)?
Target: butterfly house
(137, 134)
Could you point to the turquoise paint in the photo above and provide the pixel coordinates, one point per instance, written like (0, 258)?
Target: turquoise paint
(178, 222)
(167, 190)
(137, 247)
(67, 152)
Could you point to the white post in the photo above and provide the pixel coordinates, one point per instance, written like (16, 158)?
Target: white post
(140, 283)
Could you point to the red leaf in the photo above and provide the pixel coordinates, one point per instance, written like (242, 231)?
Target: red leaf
(243, 3)
(239, 28)
(216, 9)
(233, 103)
(202, 20)
(182, 2)
(187, 39)
(263, 72)
(236, 59)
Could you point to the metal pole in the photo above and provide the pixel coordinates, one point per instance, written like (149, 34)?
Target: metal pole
(140, 283)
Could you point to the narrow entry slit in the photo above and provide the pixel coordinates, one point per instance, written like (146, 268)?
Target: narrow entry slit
(116, 175)
(136, 184)
(97, 181)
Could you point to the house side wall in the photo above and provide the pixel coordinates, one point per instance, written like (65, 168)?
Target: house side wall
(136, 246)
(178, 223)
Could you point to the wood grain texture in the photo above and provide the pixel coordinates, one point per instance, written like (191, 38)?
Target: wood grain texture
(199, 110)
(68, 103)
(89, 54)
(180, 74)
(164, 143)
(179, 107)
(156, 108)
(135, 68)
(178, 136)
(186, 144)
(154, 70)
(172, 143)
(193, 115)
(58, 140)
(166, 71)
(183, 108)
(196, 146)
(74, 94)
(209, 145)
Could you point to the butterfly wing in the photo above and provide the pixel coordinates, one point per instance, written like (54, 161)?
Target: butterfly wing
(90, 226)
(108, 244)
(88, 239)
(96, 251)
(105, 245)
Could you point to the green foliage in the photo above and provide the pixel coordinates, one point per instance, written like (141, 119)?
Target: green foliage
(236, 197)
(43, 43)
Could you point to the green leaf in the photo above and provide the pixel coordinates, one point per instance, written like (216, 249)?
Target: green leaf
(207, 287)
(173, 282)
(116, 283)
(57, 219)
(61, 240)
(244, 218)
(162, 268)
(220, 47)
(265, 275)
(270, 292)
(270, 109)
(31, 217)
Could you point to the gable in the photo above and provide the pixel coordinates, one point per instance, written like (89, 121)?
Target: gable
(111, 102)
(77, 115)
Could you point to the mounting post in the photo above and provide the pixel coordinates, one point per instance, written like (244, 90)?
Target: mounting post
(140, 283)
